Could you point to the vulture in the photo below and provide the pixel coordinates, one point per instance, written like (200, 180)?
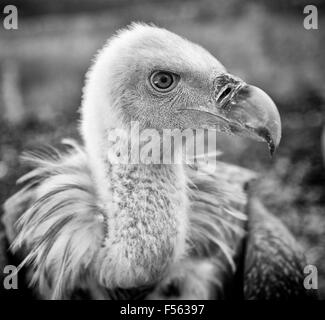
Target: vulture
(86, 226)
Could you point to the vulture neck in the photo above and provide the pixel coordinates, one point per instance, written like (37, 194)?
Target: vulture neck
(147, 216)
(130, 177)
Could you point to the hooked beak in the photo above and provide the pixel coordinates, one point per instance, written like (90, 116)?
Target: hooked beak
(244, 110)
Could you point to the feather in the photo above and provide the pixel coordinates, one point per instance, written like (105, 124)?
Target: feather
(66, 205)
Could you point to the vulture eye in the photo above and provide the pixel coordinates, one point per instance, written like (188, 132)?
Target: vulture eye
(163, 81)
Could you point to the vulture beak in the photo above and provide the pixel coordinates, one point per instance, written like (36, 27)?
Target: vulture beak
(247, 110)
(244, 110)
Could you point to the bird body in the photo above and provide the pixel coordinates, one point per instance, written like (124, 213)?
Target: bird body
(144, 229)
(66, 218)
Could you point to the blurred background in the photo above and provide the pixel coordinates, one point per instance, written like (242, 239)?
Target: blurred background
(42, 67)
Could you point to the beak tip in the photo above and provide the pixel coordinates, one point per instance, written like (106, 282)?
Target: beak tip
(271, 139)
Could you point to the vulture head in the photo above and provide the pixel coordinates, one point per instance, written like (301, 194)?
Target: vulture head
(161, 80)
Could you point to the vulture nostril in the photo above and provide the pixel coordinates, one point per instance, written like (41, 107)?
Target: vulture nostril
(223, 94)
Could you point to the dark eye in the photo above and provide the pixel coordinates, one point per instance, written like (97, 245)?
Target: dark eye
(163, 81)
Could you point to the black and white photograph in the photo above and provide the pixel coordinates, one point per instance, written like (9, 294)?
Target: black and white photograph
(162, 150)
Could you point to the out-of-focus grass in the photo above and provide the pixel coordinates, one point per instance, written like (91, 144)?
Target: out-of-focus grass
(43, 65)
